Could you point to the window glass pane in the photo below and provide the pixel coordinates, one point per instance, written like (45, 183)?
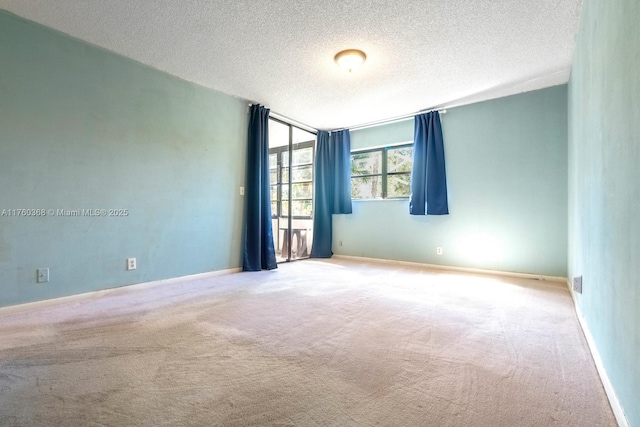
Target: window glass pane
(398, 185)
(301, 207)
(273, 161)
(366, 163)
(300, 135)
(274, 208)
(278, 134)
(285, 159)
(302, 191)
(274, 192)
(285, 191)
(368, 187)
(302, 173)
(399, 159)
(285, 209)
(285, 174)
(273, 176)
(302, 156)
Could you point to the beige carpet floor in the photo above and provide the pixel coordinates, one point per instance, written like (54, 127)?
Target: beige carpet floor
(315, 343)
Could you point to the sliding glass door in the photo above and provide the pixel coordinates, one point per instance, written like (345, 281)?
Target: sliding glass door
(291, 162)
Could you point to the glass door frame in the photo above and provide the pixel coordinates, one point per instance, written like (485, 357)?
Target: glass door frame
(279, 151)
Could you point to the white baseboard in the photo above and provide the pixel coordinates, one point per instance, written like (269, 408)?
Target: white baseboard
(453, 268)
(618, 411)
(93, 294)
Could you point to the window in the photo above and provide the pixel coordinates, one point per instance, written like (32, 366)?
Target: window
(291, 163)
(381, 173)
(301, 185)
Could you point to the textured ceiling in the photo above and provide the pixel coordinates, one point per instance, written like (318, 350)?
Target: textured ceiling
(421, 54)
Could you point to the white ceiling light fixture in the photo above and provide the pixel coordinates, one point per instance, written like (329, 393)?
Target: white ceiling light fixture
(350, 59)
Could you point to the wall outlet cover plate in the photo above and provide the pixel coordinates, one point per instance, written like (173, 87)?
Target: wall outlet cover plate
(577, 284)
(43, 275)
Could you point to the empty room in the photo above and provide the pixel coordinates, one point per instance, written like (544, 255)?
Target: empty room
(358, 213)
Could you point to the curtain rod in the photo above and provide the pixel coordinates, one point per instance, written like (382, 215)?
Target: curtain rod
(397, 119)
(287, 120)
(280, 117)
(293, 122)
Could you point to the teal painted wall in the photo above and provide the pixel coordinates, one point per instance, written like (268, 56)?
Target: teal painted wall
(604, 188)
(507, 181)
(84, 128)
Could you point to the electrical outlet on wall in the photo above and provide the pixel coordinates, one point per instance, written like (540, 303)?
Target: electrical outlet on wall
(577, 284)
(439, 250)
(131, 264)
(43, 275)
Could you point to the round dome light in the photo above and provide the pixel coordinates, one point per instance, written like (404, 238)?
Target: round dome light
(350, 59)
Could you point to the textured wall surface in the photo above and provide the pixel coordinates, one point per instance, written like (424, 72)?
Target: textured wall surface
(81, 128)
(507, 181)
(604, 188)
